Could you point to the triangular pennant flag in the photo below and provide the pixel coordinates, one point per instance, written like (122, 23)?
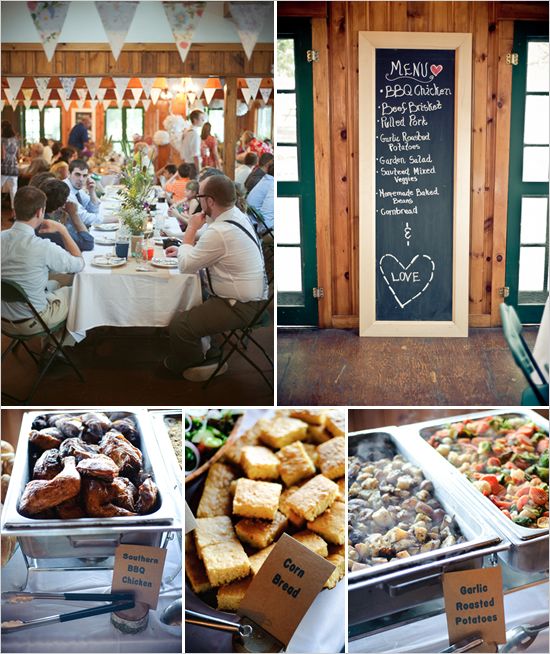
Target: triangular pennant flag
(27, 93)
(27, 103)
(10, 97)
(116, 18)
(42, 85)
(48, 18)
(133, 103)
(253, 85)
(82, 93)
(145, 104)
(54, 103)
(41, 104)
(93, 104)
(199, 83)
(155, 92)
(246, 94)
(2, 104)
(120, 83)
(14, 84)
(209, 94)
(46, 95)
(191, 97)
(249, 19)
(183, 18)
(100, 93)
(93, 85)
(66, 102)
(67, 84)
(147, 84)
(136, 93)
(80, 103)
(265, 94)
(106, 104)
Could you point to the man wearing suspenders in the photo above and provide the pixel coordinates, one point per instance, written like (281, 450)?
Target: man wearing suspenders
(230, 253)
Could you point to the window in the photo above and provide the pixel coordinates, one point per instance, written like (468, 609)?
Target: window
(38, 124)
(263, 122)
(122, 124)
(215, 118)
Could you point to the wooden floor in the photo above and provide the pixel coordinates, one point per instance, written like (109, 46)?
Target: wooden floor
(336, 367)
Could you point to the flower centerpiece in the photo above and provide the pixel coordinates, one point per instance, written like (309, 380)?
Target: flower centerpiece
(136, 187)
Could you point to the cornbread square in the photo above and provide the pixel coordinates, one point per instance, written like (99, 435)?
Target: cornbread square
(259, 533)
(211, 531)
(256, 499)
(312, 541)
(311, 416)
(259, 462)
(284, 508)
(234, 449)
(216, 496)
(336, 422)
(318, 434)
(225, 562)
(332, 458)
(313, 498)
(295, 463)
(194, 567)
(311, 450)
(258, 559)
(281, 431)
(337, 549)
(230, 596)
(331, 524)
(340, 563)
(342, 488)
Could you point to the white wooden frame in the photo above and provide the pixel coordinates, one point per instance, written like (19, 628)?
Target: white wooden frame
(368, 43)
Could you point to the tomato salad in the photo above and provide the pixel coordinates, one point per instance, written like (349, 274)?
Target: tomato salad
(506, 459)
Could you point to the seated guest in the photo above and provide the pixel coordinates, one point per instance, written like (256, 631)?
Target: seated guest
(177, 183)
(59, 209)
(258, 172)
(261, 197)
(37, 165)
(60, 170)
(56, 149)
(249, 143)
(47, 153)
(37, 179)
(183, 210)
(164, 174)
(36, 151)
(28, 260)
(67, 155)
(243, 171)
(231, 255)
(79, 180)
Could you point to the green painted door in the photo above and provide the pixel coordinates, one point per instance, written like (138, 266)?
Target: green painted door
(527, 234)
(296, 251)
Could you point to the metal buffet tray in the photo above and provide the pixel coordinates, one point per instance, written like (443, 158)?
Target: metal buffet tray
(89, 537)
(158, 420)
(528, 547)
(402, 583)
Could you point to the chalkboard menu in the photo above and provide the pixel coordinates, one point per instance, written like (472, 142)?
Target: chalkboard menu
(415, 144)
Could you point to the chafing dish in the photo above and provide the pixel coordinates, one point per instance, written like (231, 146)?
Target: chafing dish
(402, 583)
(528, 549)
(89, 537)
(161, 421)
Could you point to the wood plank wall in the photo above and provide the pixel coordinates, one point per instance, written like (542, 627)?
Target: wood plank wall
(335, 35)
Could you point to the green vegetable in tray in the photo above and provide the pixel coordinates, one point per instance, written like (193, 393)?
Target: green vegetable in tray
(543, 461)
(484, 447)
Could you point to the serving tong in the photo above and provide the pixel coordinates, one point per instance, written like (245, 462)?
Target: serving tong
(117, 602)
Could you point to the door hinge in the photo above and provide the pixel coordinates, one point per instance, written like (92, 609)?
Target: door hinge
(312, 55)
(512, 58)
(504, 291)
(318, 293)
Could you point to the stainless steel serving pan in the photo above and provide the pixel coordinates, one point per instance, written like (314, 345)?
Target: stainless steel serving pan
(89, 537)
(529, 547)
(402, 583)
(158, 421)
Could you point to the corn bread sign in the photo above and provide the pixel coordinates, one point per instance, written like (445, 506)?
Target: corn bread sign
(284, 588)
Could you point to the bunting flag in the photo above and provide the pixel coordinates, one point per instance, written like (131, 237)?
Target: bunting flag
(191, 97)
(42, 85)
(249, 19)
(82, 93)
(247, 95)
(65, 99)
(265, 94)
(27, 93)
(254, 86)
(2, 105)
(41, 104)
(116, 18)
(155, 92)
(27, 103)
(133, 103)
(183, 18)
(48, 18)
(67, 84)
(14, 84)
(145, 104)
(53, 103)
(100, 93)
(147, 84)
(13, 101)
(199, 84)
(93, 85)
(136, 93)
(47, 94)
(93, 104)
(80, 103)
(106, 104)
(120, 86)
(209, 92)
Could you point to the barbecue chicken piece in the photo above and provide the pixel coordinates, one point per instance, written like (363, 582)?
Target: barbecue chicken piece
(127, 427)
(98, 500)
(71, 509)
(46, 439)
(55, 417)
(125, 493)
(40, 495)
(147, 499)
(99, 466)
(39, 423)
(78, 448)
(69, 426)
(95, 425)
(48, 465)
(124, 454)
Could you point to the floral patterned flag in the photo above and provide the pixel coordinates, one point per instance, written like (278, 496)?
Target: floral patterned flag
(249, 19)
(27, 93)
(116, 18)
(14, 84)
(209, 92)
(145, 104)
(265, 93)
(67, 102)
(68, 85)
(183, 18)
(42, 85)
(155, 92)
(254, 85)
(48, 18)
(121, 84)
(82, 93)
(93, 85)
(147, 84)
(246, 94)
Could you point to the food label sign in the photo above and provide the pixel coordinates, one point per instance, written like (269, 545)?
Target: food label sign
(138, 569)
(415, 123)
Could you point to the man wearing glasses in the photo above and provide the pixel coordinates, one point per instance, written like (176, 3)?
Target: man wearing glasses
(230, 254)
(87, 203)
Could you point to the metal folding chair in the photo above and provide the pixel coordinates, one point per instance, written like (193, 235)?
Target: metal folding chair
(534, 394)
(12, 292)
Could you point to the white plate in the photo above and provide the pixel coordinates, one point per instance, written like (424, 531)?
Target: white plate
(157, 241)
(106, 227)
(102, 261)
(104, 240)
(164, 262)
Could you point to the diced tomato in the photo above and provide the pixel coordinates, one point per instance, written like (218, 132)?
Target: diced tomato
(501, 504)
(522, 502)
(506, 513)
(493, 461)
(482, 427)
(479, 467)
(510, 465)
(545, 514)
(459, 427)
(442, 432)
(523, 491)
(542, 445)
(538, 496)
(528, 430)
(493, 481)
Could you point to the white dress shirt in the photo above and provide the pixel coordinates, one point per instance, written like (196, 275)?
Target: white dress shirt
(27, 260)
(242, 173)
(234, 260)
(191, 145)
(88, 211)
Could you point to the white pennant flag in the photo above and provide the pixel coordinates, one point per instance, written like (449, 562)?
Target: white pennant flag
(121, 84)
(93, 85)
(82, 93)
(133, 103)
(183, 18)
(27, 103)
(80, 103)
(249, 19)
(155, 92)
(47, 94)
(14, 84)
(147, 84)
(67, 84)
(247, 95)
(13, 101)
(254, 85)
(199, 84)
(265, 94)
(106, 104)
(209, 92)
(2, 104)
(42, 85)
(116, 18)
(191, 97)
(64, 99)
(41, 104)
(145, 104)
(136, 93)
(54, 103)
(100, 93)
(48, 18)
(93, 104)
(27, 93)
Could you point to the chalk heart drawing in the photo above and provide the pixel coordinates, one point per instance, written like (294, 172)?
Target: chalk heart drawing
(436, 69)
(407, 283)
